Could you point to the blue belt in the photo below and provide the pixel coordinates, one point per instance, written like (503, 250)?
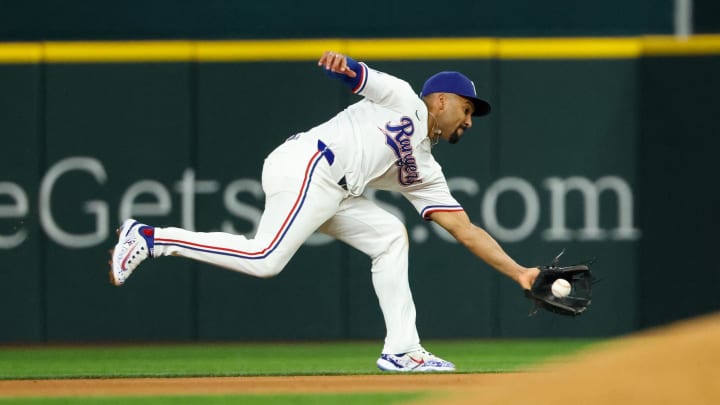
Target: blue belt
(330, 157)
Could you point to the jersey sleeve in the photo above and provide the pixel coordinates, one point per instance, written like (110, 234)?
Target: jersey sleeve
(430, 197)
(356, 83)
(382, 88)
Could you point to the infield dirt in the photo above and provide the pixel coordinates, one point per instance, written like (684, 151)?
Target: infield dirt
(676, 364)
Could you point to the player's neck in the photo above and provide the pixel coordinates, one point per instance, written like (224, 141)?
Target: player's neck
(434, 132)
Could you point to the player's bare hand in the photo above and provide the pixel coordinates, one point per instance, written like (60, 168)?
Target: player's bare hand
(528, 277)
(336, 62)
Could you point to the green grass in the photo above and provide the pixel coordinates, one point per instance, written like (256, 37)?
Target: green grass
(478, 356)
(339, 358)
(296, 399)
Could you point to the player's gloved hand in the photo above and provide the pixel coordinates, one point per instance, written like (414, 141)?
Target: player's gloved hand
(527, 279)
(336, 63)
(574, 301)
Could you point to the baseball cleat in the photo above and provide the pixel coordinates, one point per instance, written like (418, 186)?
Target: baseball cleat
(135, 244)
(418, 361)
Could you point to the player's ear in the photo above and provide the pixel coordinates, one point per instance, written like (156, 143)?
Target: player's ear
(442, 99)
(432, 101)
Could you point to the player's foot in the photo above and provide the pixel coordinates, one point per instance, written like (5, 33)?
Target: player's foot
(135, 244)
(418, 360)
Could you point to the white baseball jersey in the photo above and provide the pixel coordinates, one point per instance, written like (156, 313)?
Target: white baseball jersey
(381, 142)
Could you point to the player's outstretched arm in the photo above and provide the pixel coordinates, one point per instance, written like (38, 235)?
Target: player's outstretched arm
(384, 89)
(484, 246)
(336, 63)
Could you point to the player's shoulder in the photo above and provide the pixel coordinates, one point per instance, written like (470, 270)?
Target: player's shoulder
(396, 83)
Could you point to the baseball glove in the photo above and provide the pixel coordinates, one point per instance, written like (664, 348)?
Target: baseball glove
(573, 304)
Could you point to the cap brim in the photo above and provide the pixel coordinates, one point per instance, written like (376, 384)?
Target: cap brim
(482, 107)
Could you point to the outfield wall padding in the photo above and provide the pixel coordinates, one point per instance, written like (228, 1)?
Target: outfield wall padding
(607, 158)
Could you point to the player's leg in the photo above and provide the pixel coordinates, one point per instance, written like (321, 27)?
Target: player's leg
(280, 234)
(363, 225)
(301, 194)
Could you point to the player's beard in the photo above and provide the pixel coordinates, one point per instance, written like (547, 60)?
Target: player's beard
(454, 138)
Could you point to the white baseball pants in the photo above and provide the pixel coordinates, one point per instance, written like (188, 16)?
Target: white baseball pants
(302, 196)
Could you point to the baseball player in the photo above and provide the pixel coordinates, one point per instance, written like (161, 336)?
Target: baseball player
(315, 180)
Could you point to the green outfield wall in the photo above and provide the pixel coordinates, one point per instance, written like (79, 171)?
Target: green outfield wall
(603, 147)
(33, 20)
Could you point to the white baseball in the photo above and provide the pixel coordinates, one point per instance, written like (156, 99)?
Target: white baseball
(561, 288)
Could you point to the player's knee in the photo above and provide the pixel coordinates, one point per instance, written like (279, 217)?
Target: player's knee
(268, 272)
(394, 235)
(399, 235)
(269, 267)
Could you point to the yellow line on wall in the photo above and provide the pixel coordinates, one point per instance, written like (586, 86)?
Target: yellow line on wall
(21, 52)
(264, 50)
(364, 49)
(118, 51)
(670, 46)
(424, 48)
(570, 48)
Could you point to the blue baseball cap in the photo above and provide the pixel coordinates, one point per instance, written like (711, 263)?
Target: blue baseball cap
(456, 83)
